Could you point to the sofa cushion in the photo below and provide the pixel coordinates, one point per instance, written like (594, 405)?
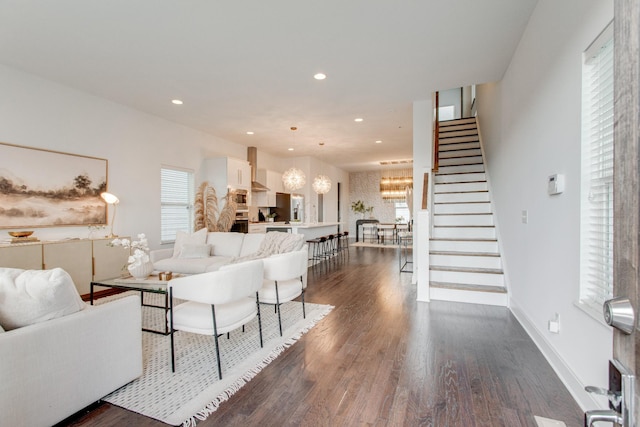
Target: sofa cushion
(190, 265)
(225, 244)
(195, 251)
(32, 296)
(251, 243)
(182, 238)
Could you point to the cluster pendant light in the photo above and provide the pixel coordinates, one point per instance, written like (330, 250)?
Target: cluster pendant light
(293, 178)
(321, 183)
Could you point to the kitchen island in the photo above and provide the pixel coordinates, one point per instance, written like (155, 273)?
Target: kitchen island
(310, 230)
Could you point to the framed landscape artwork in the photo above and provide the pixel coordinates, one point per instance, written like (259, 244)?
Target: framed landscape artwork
(42, 188)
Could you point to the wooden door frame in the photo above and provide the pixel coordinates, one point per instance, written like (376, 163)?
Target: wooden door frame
(627, 174)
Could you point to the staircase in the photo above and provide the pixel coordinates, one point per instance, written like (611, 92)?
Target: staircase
(464, 259)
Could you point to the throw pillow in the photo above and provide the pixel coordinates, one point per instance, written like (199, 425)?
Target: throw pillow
(182, 238)
(195, 251)
(32, 296)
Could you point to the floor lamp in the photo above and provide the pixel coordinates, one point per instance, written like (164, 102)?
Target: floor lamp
(111, 199)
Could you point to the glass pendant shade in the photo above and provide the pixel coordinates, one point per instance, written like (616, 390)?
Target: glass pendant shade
(293, 179)
(321, 184)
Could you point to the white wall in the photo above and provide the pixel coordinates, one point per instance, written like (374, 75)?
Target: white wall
(531, 128)
(42, 114)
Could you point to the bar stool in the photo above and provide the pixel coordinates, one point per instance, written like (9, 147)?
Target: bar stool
(317, 246)
(344, 239)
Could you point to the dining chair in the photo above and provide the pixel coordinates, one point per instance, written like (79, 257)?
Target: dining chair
(285, 278)
(216, 302)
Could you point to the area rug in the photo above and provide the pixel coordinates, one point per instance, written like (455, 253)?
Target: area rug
(194, 391)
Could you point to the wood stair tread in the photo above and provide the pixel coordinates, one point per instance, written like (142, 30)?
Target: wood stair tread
(456, 173)
(459, 203)
(459, 121)
(462, 239)
(458, 183)
(464, 213)
(466, 287)
(479, 270)
(464, 226)
(451, 253)
(462, 192)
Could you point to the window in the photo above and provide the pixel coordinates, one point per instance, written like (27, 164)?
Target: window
(448, 112)
(402, 211)
(176, 198)
(596, 224)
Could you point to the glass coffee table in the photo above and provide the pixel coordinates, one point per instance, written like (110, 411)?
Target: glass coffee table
(151, 285)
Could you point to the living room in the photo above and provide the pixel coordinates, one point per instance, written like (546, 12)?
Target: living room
(38, 112)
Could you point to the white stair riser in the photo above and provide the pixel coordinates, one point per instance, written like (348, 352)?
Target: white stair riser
(462, 208)
(455, 122)
(464, 233)
(463, 246)
(470, 261)
(455, 144)
(458, 126)
(460, 153)
(463, 219)
(466, 186)
(463, 177)
(461, 169)
(485, 279)
(480, 196)
(456, 161)
(470, 297)
(446, 133)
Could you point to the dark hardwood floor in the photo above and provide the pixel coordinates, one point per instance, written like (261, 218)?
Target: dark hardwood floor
(382, 359)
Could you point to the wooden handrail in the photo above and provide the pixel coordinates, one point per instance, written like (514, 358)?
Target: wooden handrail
(436, 133)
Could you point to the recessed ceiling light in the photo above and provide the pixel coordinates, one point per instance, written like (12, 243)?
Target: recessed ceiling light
(176, 102)
(320, 76)
(378, 142)
(359, 119)
(290, 149)
(249, 132)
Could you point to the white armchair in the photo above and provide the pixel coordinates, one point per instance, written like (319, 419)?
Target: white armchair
(217, 302)
(284, 280)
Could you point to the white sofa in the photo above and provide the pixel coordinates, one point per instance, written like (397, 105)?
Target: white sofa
(52, 369)
(223, 248)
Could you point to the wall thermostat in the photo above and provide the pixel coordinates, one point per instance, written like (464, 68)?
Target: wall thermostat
(555, 184)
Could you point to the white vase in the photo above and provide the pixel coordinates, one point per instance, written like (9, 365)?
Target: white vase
(141, 271)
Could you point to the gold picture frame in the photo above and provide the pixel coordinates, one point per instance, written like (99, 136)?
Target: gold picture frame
(45, 188)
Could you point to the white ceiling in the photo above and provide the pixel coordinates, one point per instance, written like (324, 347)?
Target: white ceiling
(248, 65)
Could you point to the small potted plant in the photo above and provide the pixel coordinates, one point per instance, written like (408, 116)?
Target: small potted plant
(271, 217)
(359, 207)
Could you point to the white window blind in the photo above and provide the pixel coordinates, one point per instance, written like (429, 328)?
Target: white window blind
(596, 231)
(176, 199)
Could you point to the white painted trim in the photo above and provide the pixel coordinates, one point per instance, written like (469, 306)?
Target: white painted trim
(469, 297)
(585, 400)
(505, 270)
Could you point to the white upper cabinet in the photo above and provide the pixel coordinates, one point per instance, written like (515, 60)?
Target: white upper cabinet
(273, 180)
(226, 172)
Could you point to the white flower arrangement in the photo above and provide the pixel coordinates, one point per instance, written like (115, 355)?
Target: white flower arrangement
(137, 249)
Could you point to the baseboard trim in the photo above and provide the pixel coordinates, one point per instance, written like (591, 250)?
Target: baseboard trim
(568, 378)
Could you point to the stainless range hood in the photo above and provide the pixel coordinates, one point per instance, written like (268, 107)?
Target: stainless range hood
(252, 157)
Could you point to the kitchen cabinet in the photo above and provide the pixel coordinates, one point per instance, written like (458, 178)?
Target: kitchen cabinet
(273, 180)
(85, 260)
(226, 172)
(258, 228)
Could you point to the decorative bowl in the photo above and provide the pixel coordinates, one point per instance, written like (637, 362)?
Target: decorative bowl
(20, 233)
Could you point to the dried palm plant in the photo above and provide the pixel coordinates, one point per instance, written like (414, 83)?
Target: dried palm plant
(199, 208)
(228, 214)
(211, 209)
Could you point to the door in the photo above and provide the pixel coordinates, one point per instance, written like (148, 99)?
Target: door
(626, 251)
